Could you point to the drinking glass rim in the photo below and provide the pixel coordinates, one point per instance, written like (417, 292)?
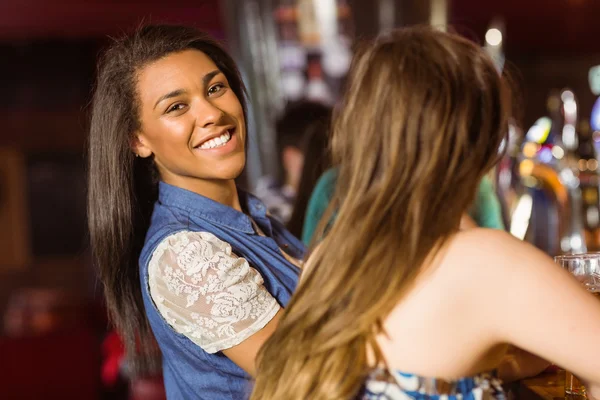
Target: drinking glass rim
(582, 256)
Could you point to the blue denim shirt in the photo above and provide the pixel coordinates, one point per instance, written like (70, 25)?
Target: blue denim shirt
(189, 372)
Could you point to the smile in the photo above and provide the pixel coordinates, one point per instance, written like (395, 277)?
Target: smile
(217, 142)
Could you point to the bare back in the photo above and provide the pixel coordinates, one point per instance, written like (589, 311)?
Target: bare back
(486, 290)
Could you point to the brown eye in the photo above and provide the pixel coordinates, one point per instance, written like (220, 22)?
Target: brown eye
(214, 89)
(176, 107)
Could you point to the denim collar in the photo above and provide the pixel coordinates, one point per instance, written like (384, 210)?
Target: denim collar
(212, 211)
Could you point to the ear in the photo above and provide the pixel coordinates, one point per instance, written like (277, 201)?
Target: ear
(140, 146)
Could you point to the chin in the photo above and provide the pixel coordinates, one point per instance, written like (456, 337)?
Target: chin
(232, 169)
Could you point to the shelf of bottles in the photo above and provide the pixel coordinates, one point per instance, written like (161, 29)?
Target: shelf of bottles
(314, 46)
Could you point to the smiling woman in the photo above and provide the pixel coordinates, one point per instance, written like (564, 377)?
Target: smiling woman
(185, 257)
(192, 123)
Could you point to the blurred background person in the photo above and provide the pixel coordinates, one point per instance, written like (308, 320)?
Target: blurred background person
(316, 161)
(486, 211)
(296, 136)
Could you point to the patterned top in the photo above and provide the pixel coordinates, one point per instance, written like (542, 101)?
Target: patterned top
(400, 386)
(206, 292)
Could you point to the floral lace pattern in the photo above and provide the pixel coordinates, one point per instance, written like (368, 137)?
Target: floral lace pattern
(206, 292)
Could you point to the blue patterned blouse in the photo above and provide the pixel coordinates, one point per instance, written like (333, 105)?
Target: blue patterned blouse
(400, 386)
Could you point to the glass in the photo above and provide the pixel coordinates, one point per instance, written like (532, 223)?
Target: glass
(586, 269)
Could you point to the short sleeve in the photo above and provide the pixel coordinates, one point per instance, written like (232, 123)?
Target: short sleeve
(206, 292)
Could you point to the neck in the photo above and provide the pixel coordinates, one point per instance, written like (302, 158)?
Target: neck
(292, 181)
(221, 191)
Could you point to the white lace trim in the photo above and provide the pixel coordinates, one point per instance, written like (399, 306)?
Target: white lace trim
(206, 292)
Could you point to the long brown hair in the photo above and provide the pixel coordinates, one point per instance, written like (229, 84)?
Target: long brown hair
(122, 188)
(421, 122)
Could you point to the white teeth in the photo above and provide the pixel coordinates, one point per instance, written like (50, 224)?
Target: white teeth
(216, 142)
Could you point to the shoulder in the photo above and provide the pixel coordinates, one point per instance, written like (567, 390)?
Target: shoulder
(481, 272)
(206, 292)
(486, 193)
(200, 260)
(166, 222)
(486, 262)
(487, 210)
(486, 186)
(323, 192)
(485, 248)
(478, 241)
(200, 245)
(193, 236)
(318, 202)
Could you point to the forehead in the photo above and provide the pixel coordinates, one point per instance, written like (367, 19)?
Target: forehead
(175, 71)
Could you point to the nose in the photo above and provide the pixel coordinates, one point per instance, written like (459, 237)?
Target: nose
(208, 114)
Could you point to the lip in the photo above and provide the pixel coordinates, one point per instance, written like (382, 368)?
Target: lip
(231, 129)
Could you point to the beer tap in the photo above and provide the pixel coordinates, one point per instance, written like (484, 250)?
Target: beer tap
(508, 182)
(589, 175)
(548, 212)
(572, 230)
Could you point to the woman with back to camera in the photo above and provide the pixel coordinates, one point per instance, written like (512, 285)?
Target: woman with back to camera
(184, 256)
(396, 302)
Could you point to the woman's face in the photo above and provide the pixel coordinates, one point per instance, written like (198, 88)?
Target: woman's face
(191, 120)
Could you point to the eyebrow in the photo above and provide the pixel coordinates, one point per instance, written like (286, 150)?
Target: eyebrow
(208, 77)
(169, 95)
(205, 80)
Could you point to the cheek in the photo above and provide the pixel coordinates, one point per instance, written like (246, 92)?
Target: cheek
(172, 132)
(231, 104)
(180, 127)
(242, 128)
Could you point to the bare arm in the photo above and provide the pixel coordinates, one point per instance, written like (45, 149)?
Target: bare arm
(244, 354)
(540, 308)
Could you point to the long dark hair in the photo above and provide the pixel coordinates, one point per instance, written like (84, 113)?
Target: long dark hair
(317, 160)
(123, 188)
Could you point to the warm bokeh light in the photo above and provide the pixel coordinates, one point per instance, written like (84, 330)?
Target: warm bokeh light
(526, 167)
(558, 152)
(530, 149)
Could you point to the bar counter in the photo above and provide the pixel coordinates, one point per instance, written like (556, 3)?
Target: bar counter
(550, 385)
